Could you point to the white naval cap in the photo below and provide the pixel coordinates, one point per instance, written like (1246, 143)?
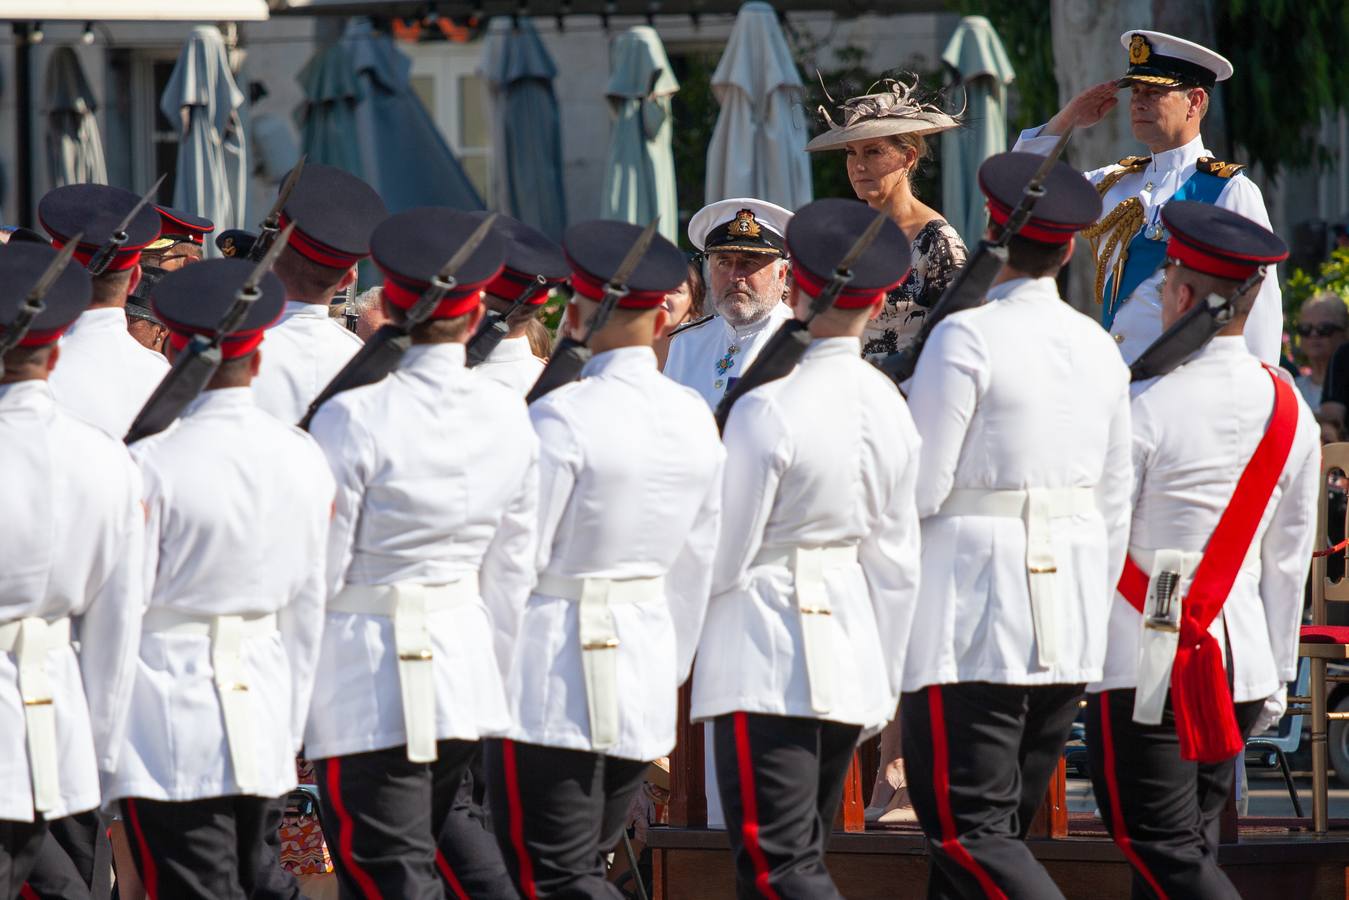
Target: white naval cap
(742, 224)
(1164, 59)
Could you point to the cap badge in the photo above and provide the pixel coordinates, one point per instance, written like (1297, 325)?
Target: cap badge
(744, 224)
(227, 247)
(1139, 50)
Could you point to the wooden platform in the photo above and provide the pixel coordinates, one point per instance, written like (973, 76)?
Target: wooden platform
(1272, 859)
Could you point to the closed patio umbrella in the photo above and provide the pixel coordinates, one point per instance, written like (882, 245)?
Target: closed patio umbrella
(74, 145)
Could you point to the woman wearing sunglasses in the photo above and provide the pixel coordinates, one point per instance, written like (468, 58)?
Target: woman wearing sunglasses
(1320, 331)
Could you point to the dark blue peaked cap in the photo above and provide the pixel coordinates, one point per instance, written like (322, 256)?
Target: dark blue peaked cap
(21, 265)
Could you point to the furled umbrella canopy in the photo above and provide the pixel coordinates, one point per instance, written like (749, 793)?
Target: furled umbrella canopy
(526, 129)
(976, 54)
(74, 145)
(758, 148)
(203, 98)
(639, 178)
(327, 118)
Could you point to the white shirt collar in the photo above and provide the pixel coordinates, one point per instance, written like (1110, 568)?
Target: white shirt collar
(620, 360)
(1045, 285)
(30, 394)
(418, 355)
(220, 399)
(834, 346)
(1178, 157)
(305, 310)
(104, 318)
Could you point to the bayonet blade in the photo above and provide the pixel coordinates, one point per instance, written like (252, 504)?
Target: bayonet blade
(269, 258)
(865, 240)
(634, 256)
(274, 214)
(467, 249)
(1047, 166)
(140, 205)
(53, 271)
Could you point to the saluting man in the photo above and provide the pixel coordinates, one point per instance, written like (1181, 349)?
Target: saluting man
(107, 374)
(334, 214)
(1171, 83)
(238, 508)
(1023, 409)
(630, 493)
(1227, 470)
(816, 573)
(430, 560)
(746, 274)
(71, 531)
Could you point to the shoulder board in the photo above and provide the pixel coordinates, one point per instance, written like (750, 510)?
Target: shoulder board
(1211, 166)
(694, 324)
(1134, 162)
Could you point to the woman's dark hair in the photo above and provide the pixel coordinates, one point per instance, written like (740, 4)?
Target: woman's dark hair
(697, 289)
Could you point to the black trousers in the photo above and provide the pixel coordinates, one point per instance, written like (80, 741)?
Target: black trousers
(979, 757)
(64, 869)
(470, 858)
(382, 816)
(1161, 810)
(781, 780)
(274, 882)
(210, 849)
(20, 843)
(556, 813)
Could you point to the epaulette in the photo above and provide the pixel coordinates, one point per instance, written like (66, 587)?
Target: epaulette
(1210, 166)
(1130, 165)
(1134, 162)
(687, 326)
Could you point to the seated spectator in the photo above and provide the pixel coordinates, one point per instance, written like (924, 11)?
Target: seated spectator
(1321, 329)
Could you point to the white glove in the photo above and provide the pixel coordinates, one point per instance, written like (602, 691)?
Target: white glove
(1276, 705)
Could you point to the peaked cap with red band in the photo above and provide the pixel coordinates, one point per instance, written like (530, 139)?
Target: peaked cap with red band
(95, 210)
(412, 246)
(596, 250)
(177, 226)
(21, 265)
(335, 213)
(1219, 242)
(529, 253)
(820, 235)
(192, 300)
(1069, 204)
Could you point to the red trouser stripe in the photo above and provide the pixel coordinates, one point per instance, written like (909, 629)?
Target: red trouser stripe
(448, 874)
(27, 893)
(345, 830)
(517, 810)
(749, 827)
(941, 787)
(149, 874)
(1117, 827)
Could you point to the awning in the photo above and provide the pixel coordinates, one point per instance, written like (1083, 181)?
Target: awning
(133, 10)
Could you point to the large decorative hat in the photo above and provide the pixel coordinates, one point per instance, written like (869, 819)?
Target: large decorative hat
(1169, 61)
(899, 109)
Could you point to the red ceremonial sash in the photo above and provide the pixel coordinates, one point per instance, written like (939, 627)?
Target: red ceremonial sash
(1206, 721)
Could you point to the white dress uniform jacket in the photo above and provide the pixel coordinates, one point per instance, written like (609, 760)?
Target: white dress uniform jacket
(238, 508)
(1138, 322)
(304, 351)
(105, 375)
(702, 358)
(1021, 393)
(827, 456)
(71, 531)
(513, 364)
(436, 480)
(630, 487)
(1194, 430)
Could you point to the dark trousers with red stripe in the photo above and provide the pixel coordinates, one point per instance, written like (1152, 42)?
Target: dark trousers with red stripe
(1162, 810)
(55, 874)
(978, 758)
(781, 781)
(20, 843)
(213, 849)
(469, 847)
(556, 813)
(382, 816)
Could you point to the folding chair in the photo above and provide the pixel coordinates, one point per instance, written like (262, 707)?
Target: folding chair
(1286, 737)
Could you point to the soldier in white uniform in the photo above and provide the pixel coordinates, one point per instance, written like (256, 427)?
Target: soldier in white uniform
(816, 573)
(1171, 85)
(1225, 499)
(630, 493)
(107, 375)
(71, 534)
(429, 564)
(334, 214)
(746, 274)
(1023, 409)
(530, 255)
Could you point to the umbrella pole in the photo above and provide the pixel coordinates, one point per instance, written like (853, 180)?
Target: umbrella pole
(23, 112)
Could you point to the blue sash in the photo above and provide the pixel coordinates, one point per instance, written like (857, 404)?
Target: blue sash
(1145, 256)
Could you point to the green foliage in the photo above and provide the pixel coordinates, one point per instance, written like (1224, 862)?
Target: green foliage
(1332, 275)
(1027, 36)
(694, 110)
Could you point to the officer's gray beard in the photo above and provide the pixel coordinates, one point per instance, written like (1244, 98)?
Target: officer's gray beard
(744, 308)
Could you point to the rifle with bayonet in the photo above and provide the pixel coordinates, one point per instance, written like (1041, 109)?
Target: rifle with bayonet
(1191, 331)
(783, 352)
(196, 363)
(102, 258)
(571, 355)
(32, 305)
(972, 282)
(381, 354)
(271, 225)
(495, 325)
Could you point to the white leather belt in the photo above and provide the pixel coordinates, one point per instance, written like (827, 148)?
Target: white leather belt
(807, 565)
(411, 606)
(1035, 507)
(31, 641)
(227, 634)
(599, 639)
